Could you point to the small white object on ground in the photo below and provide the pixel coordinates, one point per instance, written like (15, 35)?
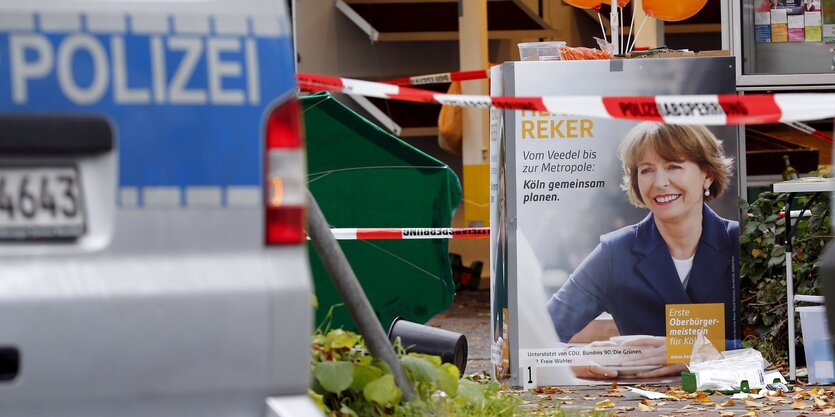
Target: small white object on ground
(639, 394)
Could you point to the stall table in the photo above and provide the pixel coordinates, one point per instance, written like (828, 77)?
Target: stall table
(803, 185)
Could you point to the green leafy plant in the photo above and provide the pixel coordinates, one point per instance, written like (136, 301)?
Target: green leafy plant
(347, 381)
(763, 267)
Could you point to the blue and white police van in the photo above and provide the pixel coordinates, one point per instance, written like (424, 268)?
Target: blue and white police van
(152, 207)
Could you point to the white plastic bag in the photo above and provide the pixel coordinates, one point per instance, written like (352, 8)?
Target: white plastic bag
(728, 370)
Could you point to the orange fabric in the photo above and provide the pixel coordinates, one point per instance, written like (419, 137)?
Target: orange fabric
(450, 121)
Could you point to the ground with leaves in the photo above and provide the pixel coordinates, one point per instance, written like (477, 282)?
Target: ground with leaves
(470, 315)
(606, 400)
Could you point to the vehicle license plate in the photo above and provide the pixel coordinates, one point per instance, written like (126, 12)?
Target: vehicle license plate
(40, 203)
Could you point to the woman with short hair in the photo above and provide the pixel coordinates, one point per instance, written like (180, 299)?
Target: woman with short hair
(681, 253)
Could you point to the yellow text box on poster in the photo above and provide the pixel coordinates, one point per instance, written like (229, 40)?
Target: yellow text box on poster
(686, 321)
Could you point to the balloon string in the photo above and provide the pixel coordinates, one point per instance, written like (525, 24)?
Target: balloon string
(637, 33)
(601, 27)
(631, 26)
(620, 29)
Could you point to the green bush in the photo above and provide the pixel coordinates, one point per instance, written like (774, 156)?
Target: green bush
(763, 267)
(347, 381)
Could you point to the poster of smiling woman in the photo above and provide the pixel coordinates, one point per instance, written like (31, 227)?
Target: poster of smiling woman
(615, 243)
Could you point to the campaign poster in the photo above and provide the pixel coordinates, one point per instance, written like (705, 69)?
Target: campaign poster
(614, 243)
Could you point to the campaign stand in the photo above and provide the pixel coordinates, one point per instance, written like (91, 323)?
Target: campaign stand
(556, 188)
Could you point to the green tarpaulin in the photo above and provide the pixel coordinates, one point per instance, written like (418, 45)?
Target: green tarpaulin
(362, 176)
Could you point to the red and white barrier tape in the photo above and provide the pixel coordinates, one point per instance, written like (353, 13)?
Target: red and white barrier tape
(803, 127)
(713, 110)
(411, 233)
(444, 77)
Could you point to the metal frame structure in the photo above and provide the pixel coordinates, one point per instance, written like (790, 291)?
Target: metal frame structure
(793, 188)
(374, 35)
(734, 19)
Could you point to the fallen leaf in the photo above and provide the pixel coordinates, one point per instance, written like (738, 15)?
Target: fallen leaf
(612, 393)
(753, 404)
(604, 404)
(649, 403)
(727, 414)
(729, 403)
(589, 397)
(645, 408)
(820, 402)
(551, 390)
(677, 393)
(701, 397)
(800, 405)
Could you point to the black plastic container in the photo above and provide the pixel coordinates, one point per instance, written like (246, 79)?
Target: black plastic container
(450, 346)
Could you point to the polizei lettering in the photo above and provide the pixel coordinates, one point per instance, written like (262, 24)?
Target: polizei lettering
(89, 69)
(734, 108)
(690, 109)
(427, 232)
(642, 110)
(431, 79)
(639, 110)
(418, 233)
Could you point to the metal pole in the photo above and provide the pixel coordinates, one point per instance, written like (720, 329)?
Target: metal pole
(353, 295)
(790, 303)
(613, 20)
(790, 287)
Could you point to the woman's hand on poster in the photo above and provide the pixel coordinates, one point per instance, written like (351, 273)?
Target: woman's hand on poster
(653, 353)
(594, 372)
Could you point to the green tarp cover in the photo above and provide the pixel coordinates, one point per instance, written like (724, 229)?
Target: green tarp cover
(362, 176)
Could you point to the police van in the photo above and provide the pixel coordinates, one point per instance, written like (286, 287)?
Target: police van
(152, 188)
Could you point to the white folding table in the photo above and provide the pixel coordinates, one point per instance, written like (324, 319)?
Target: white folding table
(803, 185)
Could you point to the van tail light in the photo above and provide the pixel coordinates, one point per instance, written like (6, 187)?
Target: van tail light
(284, 177)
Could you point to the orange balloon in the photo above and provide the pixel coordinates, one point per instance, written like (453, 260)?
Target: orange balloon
(584, 4)
(621, 3)
(673, 10)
